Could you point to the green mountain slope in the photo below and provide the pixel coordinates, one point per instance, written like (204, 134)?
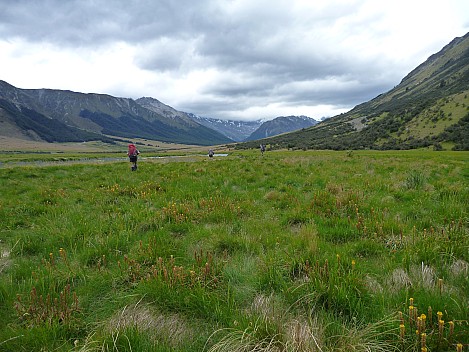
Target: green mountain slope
(430, 107)
(32, 125)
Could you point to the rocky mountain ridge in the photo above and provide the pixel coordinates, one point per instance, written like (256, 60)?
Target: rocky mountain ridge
(37, 112)
(236, 130)
(281, 124)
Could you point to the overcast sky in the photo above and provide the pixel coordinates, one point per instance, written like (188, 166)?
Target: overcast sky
(229, 59)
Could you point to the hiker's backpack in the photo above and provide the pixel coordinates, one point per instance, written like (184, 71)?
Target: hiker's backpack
(132, 150)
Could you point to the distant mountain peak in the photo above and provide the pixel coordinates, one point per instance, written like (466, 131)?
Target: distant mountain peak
(167, 111)
(280, 125)
(236, 130)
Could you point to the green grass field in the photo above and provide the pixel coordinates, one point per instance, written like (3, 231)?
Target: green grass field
(292, 251)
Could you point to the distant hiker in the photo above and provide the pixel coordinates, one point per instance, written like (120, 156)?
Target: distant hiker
(262, 148)
(211, 153)
(133, 155)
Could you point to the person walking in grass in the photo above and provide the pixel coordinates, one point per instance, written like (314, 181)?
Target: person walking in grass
(262, 148)
(133, 156)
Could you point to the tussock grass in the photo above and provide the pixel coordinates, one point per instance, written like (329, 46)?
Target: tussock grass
(303, 335)
(170, 329)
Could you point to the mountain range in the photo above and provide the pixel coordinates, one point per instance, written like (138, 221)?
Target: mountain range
(236, 130)
(252, 130)
(281, 124)
(65, 116)
(429, 108)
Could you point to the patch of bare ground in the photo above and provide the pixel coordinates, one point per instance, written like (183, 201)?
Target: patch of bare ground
(357, 123)
(4, 259)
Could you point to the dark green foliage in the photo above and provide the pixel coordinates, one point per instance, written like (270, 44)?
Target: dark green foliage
(50, 130)
(458, 133)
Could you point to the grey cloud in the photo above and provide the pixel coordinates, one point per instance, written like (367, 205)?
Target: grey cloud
(263, 51)
(62, 22)
(91, 23)
(164, 54)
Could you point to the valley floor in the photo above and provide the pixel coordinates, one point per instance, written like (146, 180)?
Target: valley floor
(289, 251)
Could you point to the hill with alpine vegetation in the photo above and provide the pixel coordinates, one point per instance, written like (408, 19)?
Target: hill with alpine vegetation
(429, 108)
